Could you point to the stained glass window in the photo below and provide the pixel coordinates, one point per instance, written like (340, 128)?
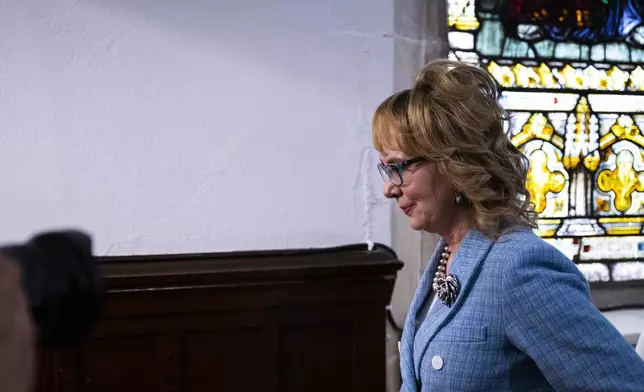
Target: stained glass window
(570, 75)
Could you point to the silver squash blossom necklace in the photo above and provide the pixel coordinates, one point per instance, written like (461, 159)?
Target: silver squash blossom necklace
(445, 285)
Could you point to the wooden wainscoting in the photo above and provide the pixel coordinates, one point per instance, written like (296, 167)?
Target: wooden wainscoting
(292, 321)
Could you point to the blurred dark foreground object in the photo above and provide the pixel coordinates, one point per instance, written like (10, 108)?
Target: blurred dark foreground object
(63, 283)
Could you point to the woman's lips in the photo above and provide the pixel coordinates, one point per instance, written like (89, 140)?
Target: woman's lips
(407, 210)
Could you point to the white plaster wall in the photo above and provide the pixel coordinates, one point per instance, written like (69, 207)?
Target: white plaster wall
(188, 126)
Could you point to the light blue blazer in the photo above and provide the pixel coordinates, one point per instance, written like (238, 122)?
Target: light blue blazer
(523, 321)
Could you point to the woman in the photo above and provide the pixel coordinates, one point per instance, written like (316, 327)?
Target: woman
(498, 309)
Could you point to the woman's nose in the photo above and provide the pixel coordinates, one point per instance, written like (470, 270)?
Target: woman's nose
(391, 191)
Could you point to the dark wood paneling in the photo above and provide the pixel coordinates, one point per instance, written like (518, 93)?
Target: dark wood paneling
(104, 365)
(309, 320)
(198, 375)
(316, 357)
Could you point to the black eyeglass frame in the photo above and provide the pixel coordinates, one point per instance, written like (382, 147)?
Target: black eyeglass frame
(398, 168)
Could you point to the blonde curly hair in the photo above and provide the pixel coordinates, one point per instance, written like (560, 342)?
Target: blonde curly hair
(451, 116)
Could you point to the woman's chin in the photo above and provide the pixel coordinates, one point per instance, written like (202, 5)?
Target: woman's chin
(416, 224)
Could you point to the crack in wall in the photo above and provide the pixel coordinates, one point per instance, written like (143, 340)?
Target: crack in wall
(369, 199)
(430, 39)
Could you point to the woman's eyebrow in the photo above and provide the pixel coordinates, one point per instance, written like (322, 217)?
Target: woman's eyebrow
(389, 159)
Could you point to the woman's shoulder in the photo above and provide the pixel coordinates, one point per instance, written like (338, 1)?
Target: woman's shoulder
(521, 238)
(523, 259)
(524, 247)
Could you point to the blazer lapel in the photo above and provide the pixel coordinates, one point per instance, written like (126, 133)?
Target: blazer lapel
(410, 327)
(464, 267)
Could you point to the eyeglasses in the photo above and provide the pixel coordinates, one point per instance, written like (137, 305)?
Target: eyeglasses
(394, 171)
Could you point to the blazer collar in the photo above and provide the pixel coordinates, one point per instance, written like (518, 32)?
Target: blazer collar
(465, 267)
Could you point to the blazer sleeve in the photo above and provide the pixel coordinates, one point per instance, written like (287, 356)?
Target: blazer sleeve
(548, 315)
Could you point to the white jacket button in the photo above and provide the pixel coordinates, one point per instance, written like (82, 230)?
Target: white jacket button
(437, 362)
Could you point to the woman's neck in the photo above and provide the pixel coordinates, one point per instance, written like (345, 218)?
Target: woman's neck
(454, 237)
(457, 231)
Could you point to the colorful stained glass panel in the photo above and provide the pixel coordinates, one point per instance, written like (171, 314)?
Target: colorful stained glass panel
(628, 271)
(537, 100)
(570, 76)
(615, 248)
(595, 272)
(584, 21)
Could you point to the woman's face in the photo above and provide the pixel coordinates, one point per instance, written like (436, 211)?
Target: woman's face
(425, 195)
